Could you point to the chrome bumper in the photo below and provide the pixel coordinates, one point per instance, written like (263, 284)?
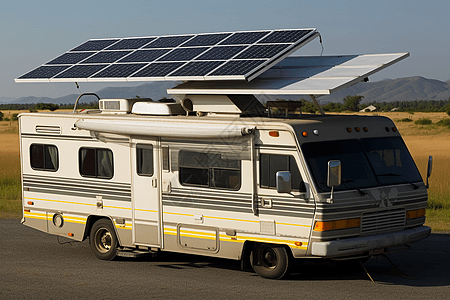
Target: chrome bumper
(354, 246)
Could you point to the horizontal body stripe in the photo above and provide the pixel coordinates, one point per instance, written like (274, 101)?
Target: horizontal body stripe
(77, 194)
(94, 182)
(79, 189)
(206, 206)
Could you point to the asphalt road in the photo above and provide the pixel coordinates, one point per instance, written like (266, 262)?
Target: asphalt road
(33, 265)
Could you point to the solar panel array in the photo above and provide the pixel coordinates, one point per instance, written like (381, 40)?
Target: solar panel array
(211, 56)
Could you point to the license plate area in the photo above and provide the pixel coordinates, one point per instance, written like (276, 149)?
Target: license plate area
(377, 251)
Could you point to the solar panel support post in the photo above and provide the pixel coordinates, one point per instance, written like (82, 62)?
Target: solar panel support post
(317, 104)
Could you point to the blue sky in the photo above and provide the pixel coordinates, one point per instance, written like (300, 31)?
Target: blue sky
(33, 32)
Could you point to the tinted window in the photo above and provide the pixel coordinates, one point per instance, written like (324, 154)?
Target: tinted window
(209, 170)
(144, 160)
(44, 157)
(270, 164)
(96, 162)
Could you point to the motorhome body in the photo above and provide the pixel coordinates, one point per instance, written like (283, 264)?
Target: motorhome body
(207, 185)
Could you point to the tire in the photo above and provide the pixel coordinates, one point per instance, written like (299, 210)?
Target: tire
(103, 240)
(270, 261)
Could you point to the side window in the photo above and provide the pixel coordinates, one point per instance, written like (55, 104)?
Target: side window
(44, 157)
(270, 164)
(209, 170)
(144, 159)
(96, 162)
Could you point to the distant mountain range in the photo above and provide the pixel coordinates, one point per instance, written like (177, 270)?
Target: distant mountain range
(401, 89)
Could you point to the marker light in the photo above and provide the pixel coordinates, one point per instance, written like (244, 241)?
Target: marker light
(30, 203)
(412, 214)
(365, 129)
(304, 133)
(387, 129)
(298, 244)
(394, 129)
(274, 133)
(338, 224)
(316, 132)
(349, 129)
(70, 234)
(357, 129)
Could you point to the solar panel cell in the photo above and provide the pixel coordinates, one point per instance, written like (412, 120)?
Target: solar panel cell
(119, 70)
(169, 41)
(44, 72)
(70, 58)
(144, 55)
(198, 68)
(81, 71)
(106, 57)
(158, 69)
(206, 39)
(94, 45)
(285, 36)
(262, 51)
(244, 38)
(237, 67)
(183, 54)
(220, 53)
(130, 44)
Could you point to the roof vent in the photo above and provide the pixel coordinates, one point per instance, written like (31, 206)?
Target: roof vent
(118, 106)
(157, 109)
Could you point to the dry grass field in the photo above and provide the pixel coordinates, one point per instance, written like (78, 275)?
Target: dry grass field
(422, 141)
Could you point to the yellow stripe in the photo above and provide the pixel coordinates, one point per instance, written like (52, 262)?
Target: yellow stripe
(178, 214)
(61, 201)
(239, 239)
(118, 207)
(147, 210)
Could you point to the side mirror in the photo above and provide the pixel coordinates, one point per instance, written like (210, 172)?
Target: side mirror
(430, 167)
(283, 181)
(334, 173)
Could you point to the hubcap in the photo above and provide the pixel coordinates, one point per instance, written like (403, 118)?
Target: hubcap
(103, 240)
(268, 258)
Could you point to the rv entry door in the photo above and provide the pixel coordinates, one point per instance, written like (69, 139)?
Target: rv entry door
(146, 174)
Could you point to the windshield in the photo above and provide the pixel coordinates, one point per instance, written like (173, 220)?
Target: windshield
(366, 162)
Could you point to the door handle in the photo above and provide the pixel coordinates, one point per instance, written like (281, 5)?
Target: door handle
(266, 202)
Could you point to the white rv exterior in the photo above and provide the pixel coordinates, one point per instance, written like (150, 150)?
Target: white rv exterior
(207, 184)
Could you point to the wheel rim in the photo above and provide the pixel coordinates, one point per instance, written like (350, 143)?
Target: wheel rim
(103, 240)
(268, 258)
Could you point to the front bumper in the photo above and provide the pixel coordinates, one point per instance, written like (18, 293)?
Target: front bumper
(355, 246)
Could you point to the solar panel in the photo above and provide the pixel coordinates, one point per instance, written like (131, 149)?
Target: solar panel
(210, 56)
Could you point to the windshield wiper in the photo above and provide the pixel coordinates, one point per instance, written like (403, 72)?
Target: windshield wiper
(361, 192)
(398, 175)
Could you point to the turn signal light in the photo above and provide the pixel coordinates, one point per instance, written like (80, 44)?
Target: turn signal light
(304, 133)
(412, 214)
(30, 203)
(298, 244)
(70, 234)
(338, 224)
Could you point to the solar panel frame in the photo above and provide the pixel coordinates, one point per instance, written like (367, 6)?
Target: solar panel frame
(187, 50)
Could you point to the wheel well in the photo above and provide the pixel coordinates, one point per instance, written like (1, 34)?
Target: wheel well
(90, 222)
(247, 250)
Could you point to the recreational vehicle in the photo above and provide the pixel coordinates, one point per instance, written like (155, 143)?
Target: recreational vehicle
(214, 172)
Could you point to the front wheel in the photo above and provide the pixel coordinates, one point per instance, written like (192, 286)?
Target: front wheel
(270, 261)
(103, 240)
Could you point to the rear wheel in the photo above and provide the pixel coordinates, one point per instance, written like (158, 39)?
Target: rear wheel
(103, 240)
(270, 261)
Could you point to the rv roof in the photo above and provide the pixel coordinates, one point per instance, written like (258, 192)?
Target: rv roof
(316, 75)
(239, 55)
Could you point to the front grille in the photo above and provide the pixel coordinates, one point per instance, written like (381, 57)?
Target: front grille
(381, 221)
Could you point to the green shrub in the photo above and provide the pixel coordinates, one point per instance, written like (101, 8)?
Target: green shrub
(33, 110)
(423, 121)
(404, 120)
(6, 119)
(1, 116)
(14, 117)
